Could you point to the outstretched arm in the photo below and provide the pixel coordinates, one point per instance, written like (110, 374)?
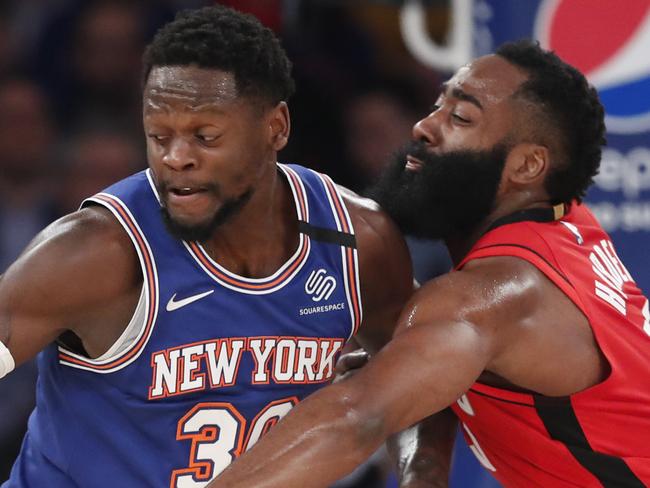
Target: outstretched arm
(437, 354)
(422, 453)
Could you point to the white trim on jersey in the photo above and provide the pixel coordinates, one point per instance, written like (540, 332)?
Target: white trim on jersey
(327, 184)
(126, 355)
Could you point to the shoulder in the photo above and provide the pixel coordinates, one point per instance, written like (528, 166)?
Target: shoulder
(484, 288)
(519, 318)
(504, 300)
(84, 234)
(73, 272)
(80, 257)
(377, 235)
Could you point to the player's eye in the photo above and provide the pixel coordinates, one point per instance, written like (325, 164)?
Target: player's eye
(207, 137)
(158, 138)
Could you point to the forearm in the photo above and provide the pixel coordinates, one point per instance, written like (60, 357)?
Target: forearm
(422, 453)
(328, 439)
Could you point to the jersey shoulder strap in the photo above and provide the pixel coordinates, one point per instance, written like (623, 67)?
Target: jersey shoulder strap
(326, 218)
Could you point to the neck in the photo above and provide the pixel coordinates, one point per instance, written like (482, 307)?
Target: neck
(263, 234)
(460, 245)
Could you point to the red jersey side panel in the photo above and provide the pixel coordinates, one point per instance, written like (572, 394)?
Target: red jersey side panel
(600, 436)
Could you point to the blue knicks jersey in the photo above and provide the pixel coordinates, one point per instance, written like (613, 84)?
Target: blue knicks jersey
(210, 361)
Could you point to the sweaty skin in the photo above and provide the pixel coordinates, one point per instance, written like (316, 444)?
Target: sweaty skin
(81, 274)
(498, 320)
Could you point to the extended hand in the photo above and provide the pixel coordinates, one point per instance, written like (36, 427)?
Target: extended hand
(348, 364)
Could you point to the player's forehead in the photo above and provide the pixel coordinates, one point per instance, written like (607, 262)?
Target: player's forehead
(490, 79)
(190, 87)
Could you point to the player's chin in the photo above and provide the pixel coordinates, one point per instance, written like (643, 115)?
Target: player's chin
(189, 221)
(189, 228)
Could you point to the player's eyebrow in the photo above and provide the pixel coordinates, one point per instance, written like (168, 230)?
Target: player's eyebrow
(461, 95)
(152, 105)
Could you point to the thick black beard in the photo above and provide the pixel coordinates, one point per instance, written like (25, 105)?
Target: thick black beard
(203, 231)
(448, 197)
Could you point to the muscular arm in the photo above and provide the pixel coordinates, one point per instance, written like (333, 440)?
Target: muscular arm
(422, 453)
(71, 275)
(438, 352)
(498, 315)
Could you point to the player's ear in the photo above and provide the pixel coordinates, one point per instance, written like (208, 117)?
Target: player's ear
(527, 163)
(279, 126)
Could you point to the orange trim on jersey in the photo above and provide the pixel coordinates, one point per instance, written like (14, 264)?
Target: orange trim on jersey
(299, 193)
(350, 257)
(64, 357)
(202, 470)
(294, 400)
(303, 252)
(356, 302)
(233, 281)
(337, 204)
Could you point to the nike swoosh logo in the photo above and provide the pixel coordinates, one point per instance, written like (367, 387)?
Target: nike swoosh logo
(172, 304)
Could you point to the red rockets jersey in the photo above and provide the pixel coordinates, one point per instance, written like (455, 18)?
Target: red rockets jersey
(601, 435)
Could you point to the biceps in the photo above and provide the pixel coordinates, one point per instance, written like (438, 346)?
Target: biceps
(32, 308)
(28, 338)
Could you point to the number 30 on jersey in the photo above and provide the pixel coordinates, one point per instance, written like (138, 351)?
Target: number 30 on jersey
(218, 435)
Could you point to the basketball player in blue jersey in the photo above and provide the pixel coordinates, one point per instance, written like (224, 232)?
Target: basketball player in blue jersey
(183, 311)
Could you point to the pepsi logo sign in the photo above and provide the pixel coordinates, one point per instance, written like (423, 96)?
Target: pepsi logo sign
(608, 41)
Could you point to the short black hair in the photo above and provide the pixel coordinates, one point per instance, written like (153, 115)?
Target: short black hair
(219, 37)
(569, 111)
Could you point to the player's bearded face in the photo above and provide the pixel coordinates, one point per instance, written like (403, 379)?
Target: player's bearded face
(448, 196)
(202, 230)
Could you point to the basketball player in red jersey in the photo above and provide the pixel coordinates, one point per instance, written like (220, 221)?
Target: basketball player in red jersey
(539, 340)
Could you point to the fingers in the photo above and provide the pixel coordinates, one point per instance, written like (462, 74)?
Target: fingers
(351, 361)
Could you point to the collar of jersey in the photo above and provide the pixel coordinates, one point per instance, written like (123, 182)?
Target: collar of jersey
(284, 274)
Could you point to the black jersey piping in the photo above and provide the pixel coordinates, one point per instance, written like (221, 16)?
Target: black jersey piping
(324, 234)
(562, 424)
(494, 397)
(544, 214)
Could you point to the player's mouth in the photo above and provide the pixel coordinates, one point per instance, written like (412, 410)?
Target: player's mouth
(413, 164)
(186, 196)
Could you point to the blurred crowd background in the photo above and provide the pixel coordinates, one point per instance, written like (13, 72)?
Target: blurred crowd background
(70, 122)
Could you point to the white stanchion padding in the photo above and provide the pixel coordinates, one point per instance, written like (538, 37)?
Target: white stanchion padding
(7, 363)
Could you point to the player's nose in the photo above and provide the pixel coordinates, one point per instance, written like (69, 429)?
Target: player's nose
(427, 130)
(179, 155)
